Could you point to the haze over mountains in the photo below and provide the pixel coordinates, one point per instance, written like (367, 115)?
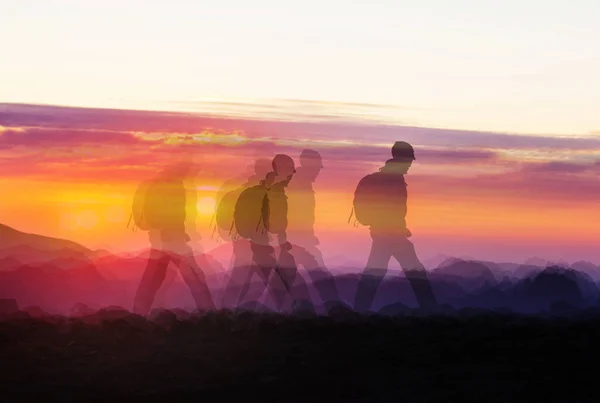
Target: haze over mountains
(57, 274)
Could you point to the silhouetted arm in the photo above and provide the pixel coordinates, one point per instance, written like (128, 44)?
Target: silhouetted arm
(191, 211)
(403, 207)
(278, 210)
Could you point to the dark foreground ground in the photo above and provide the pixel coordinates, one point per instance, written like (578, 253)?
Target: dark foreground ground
(247, 357)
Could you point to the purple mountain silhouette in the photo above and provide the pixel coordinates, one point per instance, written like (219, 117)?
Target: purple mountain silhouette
(27, 248)
(12, 238)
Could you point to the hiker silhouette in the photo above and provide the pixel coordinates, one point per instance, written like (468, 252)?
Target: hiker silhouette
(380, 202)
(301, 227)
(163, 207)
(260, 217)
(241, 260)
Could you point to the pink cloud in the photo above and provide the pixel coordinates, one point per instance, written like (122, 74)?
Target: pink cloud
(108, 145)
(63, 137)
(366, 133)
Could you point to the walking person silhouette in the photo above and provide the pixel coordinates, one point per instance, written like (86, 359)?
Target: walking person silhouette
(160, 208)
(380, 202)
(301, 228)
(241, 266)
(260, 211)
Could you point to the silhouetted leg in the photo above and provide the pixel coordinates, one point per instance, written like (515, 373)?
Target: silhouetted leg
(240, 274)
(319, 273)
(151, 281)
(300, 291)
(161, 295)
(210, 265)
(242, 252)
(238, 277)
(262, 262)
(322, 280)
(404, 252)
(193, 277)
(266, 262)
(377, 265)
(247, 292)
(317, 255)
(283, 279)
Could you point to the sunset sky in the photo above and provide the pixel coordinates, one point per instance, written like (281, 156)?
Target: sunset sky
(501, 101)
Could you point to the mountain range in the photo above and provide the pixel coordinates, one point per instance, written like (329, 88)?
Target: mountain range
(57, 274)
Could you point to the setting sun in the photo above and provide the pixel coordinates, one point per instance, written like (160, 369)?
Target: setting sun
(206, 205)
(87, 219)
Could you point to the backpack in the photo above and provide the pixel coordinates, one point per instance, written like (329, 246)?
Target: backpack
(224, 215)
(151, 209)
(138, 206)
(370, 199)
(251, 212)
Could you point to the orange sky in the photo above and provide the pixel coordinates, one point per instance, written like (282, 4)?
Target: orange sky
(72, 172)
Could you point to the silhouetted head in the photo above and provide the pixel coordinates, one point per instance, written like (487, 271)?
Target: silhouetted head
(403, 155)
(401, 150)
(269, 178)
(283, 166)
(262, 166)
(311, 163)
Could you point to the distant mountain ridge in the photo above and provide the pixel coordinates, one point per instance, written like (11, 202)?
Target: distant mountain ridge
(56, 274)
(10, 238)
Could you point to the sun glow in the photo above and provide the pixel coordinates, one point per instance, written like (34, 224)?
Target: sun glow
(87, 219)
(206, 205)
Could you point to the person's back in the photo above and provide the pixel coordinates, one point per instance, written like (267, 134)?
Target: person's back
(381, 199)
(224, 214)
(166, 208)
(229, 194)
(250, 213)
(262, 210)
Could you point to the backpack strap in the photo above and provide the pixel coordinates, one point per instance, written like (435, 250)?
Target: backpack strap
(212, 235)
(214, 228)
(134, 227)
(260, 220)
(231, 228)
(265, 199)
